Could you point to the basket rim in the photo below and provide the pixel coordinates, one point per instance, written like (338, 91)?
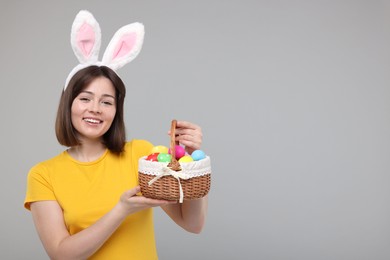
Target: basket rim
(194, 169)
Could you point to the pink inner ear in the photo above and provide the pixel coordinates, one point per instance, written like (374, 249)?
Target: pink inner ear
(85, 39)
(125, 45)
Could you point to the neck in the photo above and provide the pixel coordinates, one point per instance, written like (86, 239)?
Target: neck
(87, 151)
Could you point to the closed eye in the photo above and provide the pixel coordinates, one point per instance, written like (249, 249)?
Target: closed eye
(107, 103)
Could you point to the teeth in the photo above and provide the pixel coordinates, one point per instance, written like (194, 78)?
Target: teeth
(90, 120)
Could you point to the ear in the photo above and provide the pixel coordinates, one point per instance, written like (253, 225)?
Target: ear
(85, 37)
(124, 46)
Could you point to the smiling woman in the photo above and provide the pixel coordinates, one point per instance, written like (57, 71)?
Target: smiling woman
(93, 110)
(86, 201)
(86, 99)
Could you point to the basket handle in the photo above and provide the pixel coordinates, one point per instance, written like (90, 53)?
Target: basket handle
(174, 164)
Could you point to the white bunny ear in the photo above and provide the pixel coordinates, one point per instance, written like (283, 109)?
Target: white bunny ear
(124, 46)
(86, 37)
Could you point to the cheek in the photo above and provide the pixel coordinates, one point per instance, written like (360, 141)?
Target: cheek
(112, 115)
(74, 108)
(74, 112)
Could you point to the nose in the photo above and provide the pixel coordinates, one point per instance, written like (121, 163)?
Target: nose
(95, 107)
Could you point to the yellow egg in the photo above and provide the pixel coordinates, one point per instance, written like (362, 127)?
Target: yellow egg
(186, 158)
(159, 149)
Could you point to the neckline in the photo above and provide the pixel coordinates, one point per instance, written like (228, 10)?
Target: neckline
(66, 153)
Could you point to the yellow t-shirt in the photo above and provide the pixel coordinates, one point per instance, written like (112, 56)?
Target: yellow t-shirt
(88, 190)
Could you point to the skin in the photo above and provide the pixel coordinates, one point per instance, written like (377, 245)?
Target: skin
(92, 114)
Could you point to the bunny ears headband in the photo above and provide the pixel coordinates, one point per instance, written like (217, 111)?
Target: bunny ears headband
(86, 40)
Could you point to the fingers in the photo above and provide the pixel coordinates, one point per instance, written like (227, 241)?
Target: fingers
(189, 134)
(142, 202)
(154, 202)
(132, 192)
(187, 125)
(190, 141)
(130, 202)
(132, 195)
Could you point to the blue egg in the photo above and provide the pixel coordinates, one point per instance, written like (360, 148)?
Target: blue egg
(198, 155)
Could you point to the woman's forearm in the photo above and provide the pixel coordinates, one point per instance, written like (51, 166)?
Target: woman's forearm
(190, 215)
(85, 243)
(56, 239)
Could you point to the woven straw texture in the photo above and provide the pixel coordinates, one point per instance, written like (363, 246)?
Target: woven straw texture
(192, 178)
(167, 187)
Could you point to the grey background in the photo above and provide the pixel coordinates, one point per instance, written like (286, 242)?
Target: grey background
(292, 96)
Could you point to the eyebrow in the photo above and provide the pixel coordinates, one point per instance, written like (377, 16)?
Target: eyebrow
(91, 93)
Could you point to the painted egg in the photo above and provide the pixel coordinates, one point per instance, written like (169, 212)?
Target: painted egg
(159, 149)
(179, 151)
(186, 158)
(164, 157)
(198, 155)
(152, 157)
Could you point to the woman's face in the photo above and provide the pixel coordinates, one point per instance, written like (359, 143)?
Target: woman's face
(93, 110)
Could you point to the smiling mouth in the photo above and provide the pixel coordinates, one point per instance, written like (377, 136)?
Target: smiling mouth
(92, 121)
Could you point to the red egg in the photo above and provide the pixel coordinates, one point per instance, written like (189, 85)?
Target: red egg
(152, 157)
(179, 151)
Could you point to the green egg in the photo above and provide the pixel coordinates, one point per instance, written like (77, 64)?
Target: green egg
(164, 157)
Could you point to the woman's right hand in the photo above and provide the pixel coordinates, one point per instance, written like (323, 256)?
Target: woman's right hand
(131, 203)
(48, 217)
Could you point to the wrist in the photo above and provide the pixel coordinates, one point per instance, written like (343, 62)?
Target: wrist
(120, 211)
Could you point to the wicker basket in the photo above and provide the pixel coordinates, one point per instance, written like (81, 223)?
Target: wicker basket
(174, 181)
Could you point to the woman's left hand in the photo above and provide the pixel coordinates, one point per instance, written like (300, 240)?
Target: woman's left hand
(189, 135)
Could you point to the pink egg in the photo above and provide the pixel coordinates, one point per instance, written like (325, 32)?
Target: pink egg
(179, 151)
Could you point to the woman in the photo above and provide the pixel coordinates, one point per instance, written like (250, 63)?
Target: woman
(85, 202)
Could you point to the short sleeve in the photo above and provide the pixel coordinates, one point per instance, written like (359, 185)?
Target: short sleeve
(141, 148)
(138, 148)
(38, 186)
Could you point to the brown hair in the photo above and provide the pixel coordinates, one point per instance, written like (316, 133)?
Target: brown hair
(115, 137)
